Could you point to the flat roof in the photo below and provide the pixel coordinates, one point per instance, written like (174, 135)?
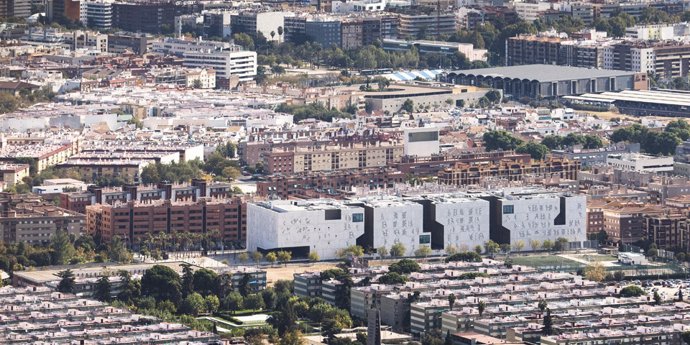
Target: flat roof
(680, 99)
(543, 72)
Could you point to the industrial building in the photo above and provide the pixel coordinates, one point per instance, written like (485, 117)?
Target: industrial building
(548, 81)
(673, 103)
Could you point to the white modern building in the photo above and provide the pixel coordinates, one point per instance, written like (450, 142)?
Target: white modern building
(178, 46)
(521, 216)
(226, 63)
(421, 142)
(640, 162)
(59, 185)
(460, 220)
(391, 220)
(322, 226)
(655, 32)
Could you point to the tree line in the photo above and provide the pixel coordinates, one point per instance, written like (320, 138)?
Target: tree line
(655, 142)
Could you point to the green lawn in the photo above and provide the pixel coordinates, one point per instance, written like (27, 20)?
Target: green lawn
(547, 262)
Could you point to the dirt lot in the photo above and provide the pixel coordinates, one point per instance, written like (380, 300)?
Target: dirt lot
(281, 272)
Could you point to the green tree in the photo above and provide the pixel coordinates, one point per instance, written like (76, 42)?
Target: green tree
(243, 257)
(67, 282)
(595, 272)
(397, 250)
(547, 245)
(102, 289)
(535, 150)
(8, 103)
(63, 250)
(631, 291)
(284, 256)
(187, 279)
(408, 106)
(451, 301)
(392, 278)
(313, 256)
(254, 302)
(553, 142)
(206, 282)
(500, 140)
(271, 257)
(131, 289)
(561, 244)
(542, 305)
(117, 251)
(423, 251)
(212, 303)
(194, 304)
(233, 301)
(162, 283)
(244, 40)
(353, 250)
(481, 306)
(404, 266)
(292, 337)
(492, 247)
(257, 257)
(548, 323)
(657, 298)
(466, 256)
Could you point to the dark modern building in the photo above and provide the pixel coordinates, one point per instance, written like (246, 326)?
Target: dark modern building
(548, 81)
(138, 16)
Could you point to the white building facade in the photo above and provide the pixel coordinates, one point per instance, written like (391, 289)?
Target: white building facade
(523, 217)
(465, 220)
(320, 226)
(391, 220)
(226, 63)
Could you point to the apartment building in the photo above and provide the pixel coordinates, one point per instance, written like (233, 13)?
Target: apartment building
(668, 231)
(28, 219)
(420, 25)
(464, 174)
(221, 218)
(11, 174)
(41, 156)
(625, 223)
(331, 157)
(127, 170)
(198, 188)
(665, 58)
(99, 14)
(328, 184)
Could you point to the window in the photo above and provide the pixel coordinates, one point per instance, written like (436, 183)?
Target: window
(425, 239)
(508, 209)
(357, 217)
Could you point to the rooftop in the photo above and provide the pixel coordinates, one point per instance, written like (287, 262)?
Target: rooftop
(543, 73)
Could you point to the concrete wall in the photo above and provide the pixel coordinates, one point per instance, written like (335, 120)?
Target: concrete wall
(534, 217)
(465, 223)
(268, 229)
